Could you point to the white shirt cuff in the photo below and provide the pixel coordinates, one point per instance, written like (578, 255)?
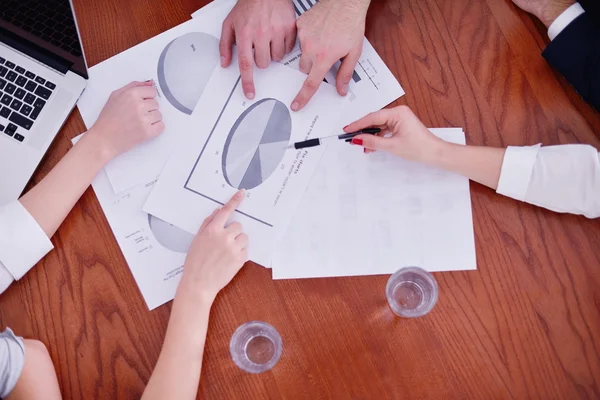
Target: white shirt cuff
(564, 20)
(22, 241)
(516, 171)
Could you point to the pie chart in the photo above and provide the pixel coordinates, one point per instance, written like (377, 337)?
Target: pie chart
(170, 236)
(184, 68)
(256, 144)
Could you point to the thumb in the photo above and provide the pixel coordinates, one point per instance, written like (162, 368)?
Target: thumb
(372, 142)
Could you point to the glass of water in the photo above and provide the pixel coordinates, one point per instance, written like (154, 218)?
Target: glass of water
(255, 347)
(411, 292)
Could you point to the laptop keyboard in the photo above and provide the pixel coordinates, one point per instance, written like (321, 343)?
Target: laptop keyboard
(50, 21)
(23, 95)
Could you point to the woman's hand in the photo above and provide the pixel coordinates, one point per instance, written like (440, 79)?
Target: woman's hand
(130, 117)
(402, 134)
(218, 252)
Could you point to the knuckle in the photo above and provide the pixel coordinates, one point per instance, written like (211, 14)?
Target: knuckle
(263, 32)
(245, 64)
(245, 32)
(231, 246)
(311, 85)
(321, 57)
(403, 109)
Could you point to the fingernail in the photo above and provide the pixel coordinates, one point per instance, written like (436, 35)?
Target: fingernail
(222, 61)
(241, 193)
(357, 141)
(365, 151)
(250, 95)
(344, 128)
(295, 106)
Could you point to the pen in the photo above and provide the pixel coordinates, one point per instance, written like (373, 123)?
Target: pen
(345, 136)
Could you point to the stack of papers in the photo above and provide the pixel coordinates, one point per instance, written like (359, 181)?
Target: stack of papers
(373, 214)
(325, 211)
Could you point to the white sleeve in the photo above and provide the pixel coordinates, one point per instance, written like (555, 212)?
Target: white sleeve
(564, 20)
(22, 243)
(560, 178)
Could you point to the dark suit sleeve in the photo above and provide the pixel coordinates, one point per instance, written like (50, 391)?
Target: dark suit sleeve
(575, 53)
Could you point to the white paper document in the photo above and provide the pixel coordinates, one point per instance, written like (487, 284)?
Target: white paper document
(155, 251)
(180, 60)
(373, 214)
(236, 143)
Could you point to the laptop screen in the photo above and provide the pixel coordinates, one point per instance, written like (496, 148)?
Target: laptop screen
(45, 30)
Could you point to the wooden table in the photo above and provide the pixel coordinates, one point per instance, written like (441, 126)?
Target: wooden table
(524, 325)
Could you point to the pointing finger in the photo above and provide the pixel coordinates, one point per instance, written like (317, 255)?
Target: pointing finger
(246, 62)
(223, 215)
(310, 86)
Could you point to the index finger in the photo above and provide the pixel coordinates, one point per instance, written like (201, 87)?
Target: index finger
(223, 215)
(246, 63)
(376, 118)
(311, 85)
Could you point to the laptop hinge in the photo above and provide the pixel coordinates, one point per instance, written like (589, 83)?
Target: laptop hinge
(32, 50)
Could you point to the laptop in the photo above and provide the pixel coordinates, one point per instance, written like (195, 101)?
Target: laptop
(42, 74)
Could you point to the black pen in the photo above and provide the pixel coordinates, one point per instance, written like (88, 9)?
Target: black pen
(345, 136)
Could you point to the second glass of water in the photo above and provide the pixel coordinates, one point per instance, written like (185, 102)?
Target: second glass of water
(255, 347)
(411, 292)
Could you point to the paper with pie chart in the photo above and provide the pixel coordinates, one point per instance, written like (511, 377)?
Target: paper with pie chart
(180, 61)
(236, 143)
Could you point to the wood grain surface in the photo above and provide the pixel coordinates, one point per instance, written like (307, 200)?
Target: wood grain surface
(525, 325)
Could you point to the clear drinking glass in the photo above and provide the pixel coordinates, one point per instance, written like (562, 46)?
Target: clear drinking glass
(411, 292)
(255, 347)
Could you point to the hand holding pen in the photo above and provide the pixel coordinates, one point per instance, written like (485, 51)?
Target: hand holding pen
(345, 136)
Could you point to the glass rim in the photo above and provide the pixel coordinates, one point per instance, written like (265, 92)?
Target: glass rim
(243, 361)
(392, 283)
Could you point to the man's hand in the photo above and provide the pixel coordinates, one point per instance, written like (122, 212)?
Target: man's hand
(330, 31)
(546, 10)
(268, 26)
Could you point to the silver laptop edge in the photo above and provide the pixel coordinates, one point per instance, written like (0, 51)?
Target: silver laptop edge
(19, 159)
